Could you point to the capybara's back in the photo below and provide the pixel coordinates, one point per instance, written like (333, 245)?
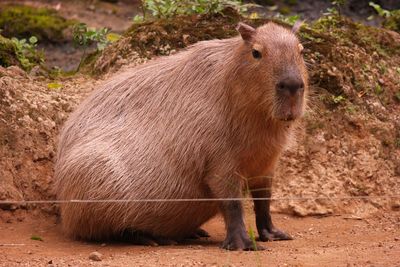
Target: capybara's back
(144, 135)
(172, 129)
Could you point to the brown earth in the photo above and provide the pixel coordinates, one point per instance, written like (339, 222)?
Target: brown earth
(325, 241)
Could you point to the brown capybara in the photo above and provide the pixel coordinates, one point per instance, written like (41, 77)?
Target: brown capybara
(201, 124)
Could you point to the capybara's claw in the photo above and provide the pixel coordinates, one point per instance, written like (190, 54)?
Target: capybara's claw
(238, 243)
(202, 233)
(145, 239)
(274, 235)
(199, 233)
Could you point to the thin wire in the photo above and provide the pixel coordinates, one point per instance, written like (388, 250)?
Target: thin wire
(189, 199)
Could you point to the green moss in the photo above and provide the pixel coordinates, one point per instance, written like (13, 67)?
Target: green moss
(285, 10)
(8, 55)
(268, 2)
(347, 32)
(12, 53)
(291, 2)
(393, 21)
(349, 57)
(24, 22)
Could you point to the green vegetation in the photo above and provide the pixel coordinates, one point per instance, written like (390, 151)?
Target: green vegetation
(381, 12)
(378, 89)
(391, 18)
(171, 8)
(339, 46)
(54, 86)
(397, 95)
(85, 37)
(24, 21)
(291, 20)
(393, 21)
(252, 236)
(36, 238)
(26, 52)
(291, 2)
(397, 142)
(285, 10)
(338, 99)
(21, 52)
(7, 52)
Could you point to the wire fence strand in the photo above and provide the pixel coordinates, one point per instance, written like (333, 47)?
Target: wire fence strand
(296, 198)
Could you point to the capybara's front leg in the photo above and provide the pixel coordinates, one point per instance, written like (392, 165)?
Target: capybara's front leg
(265, 227)
(232, 211)
(236, 235)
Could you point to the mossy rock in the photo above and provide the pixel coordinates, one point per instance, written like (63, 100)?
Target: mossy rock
(25, 21)
(393, 21)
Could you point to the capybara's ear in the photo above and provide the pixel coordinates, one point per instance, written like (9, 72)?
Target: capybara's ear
(297, 25)
(246, 31)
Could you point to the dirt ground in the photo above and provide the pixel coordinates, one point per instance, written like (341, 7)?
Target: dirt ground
(319, 241)
(339, 152)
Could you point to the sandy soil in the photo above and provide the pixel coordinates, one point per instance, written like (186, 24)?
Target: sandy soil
(324, 241)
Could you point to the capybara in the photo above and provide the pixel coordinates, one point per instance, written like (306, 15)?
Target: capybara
(204, 123)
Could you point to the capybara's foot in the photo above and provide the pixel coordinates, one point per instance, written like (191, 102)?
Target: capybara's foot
(199, 233)
(240, 242)
(162, 241)
(273, 235)
(145, 239)
(202, 233)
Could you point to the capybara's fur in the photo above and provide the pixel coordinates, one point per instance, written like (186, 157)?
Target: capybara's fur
(192, 125)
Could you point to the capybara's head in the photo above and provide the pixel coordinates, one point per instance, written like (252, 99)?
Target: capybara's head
(273, 60)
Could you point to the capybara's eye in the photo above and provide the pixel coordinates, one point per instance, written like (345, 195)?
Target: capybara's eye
(256, 54)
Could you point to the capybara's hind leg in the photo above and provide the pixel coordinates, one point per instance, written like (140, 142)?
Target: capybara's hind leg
(265, 227)
(199, 233)
(202, 233)
(146, 239)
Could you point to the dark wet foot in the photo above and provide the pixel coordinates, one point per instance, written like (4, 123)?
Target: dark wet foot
(273, 235)
(202, 233)
(199, 233)
(145, 239)
(240, 241)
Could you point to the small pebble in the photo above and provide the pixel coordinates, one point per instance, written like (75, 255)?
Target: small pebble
(96, 256)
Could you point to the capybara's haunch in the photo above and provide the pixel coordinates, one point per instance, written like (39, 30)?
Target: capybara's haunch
(204, 123)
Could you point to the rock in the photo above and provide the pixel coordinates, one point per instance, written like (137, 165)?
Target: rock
(95, 256)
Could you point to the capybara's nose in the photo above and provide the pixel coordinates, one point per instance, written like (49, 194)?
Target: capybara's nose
(291, 85)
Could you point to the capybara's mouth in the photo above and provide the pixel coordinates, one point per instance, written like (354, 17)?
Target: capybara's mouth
(289, 112)
(288, 119)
